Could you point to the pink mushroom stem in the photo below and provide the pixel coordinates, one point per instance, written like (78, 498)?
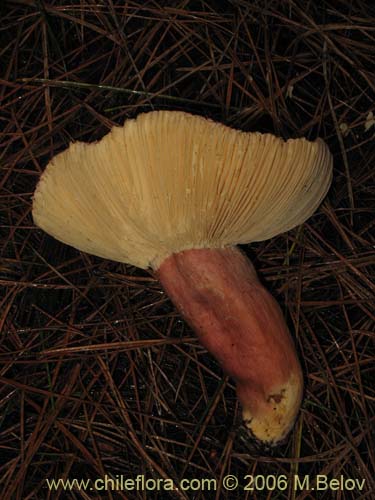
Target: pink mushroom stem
(218, 293)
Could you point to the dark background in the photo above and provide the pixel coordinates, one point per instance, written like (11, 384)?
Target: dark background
(98, 373)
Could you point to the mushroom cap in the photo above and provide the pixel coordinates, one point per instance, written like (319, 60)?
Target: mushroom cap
(168, 181)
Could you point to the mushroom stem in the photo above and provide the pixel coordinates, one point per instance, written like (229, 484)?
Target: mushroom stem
(218, 293)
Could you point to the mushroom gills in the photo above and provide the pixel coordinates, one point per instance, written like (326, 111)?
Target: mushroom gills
(173, 192)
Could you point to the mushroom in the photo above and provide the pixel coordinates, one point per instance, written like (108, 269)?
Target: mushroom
(175, 193)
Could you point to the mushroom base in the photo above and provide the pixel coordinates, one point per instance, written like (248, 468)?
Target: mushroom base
(218, 293)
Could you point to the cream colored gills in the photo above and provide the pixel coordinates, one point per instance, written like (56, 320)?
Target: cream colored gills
(168, 191)
(169, 181)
